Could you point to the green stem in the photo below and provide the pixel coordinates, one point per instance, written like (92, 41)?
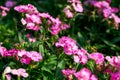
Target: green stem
(18, 78)
(3, 76)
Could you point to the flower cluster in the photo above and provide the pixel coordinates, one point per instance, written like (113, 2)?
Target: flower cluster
(98, 57)
(3, 11)
(70, 48)
(114, 61)
(33, 19)
(108, 11)
(76, 5)
(82, 56)
(24, 56)
(83, 74)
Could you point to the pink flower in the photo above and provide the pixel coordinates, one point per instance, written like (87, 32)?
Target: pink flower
(64, 40)
(114, 61)
(3, 10)
(2, 50)
(93, 77)
(20, 53)
(80, 57)
(70, 48)
(23, 21)
(44, 15)
(68, 73)
(67, 12)
(8, 76)
(68, 44)
(64, 26)
(35, 56)
(83, 74)
(26, 9)
(77, 7)
(116, 20)
(98, 57)
(55, 29)
(32, 26)
(20, 72)
(32, 39)
(101, 4)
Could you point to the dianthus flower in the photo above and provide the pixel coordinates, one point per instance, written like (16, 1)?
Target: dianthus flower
(3, 11)
(98, 57)
(11, 52)
(115, 76)
(26, 57)
(68, 44)
(85, 74)
(67, 12)
(116, 20)
(19, 72)
(2, 50)
(35, 56)
(32, 21)
(114, 61)
(68, 73)
(81, 57)
(26, 9)
(76, 5)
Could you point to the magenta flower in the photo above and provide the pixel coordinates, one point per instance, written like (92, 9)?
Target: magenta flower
(25, 59)
(26, 9)
(11, 52)
(115, 76)
(64, 40)
(68, 44)
(93, 77)
(98, 57)
(70, 48)
(85, 74)
(68, 73)
(81, 57)
(114, 61)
